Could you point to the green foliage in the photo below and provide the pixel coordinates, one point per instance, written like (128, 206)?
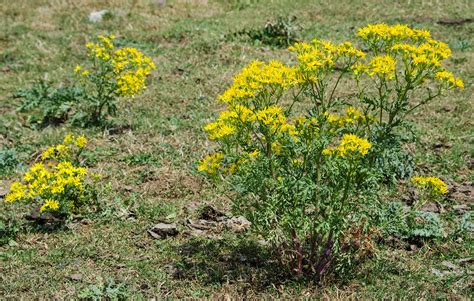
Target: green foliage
(279, 33)
(108, 290)
(399, 220)
(466, 225)
(8, 160)
(142, 158)
(8, 230)
(425, 225)
(48, 105)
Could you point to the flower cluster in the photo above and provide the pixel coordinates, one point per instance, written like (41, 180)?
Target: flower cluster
(57, 183)
(350, 146)
(448, 78)
(211, 163)
(352, 116)
(71, 145)
(126, 68)
(433, 185)
(374, 33)
(413, 51)
(383, 65)
(258, 78)
(321, 56)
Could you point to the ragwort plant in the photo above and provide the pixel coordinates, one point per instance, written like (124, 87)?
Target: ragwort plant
(112, 73)
(57, 184)
(302, 159)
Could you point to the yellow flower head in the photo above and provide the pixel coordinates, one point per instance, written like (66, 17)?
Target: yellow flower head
(448, 78)
(68, 139)
(80, 141)
(49, 205)
(211, 163)
(432, 184)
(350, 146)
(17, 192)
(256, 78)
(383, 66)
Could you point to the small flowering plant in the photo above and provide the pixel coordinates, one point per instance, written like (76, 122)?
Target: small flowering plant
(431, 189)
(57, 184)
(112, 73)
(426, 224)
(300, 155)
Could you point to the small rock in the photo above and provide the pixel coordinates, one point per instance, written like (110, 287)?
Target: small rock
(201, 224)
(170, 268)
(210, 213)
(238, 223)
(75, 277)
(97, 16)
(86, 221)
(162, 230)
(128, 188)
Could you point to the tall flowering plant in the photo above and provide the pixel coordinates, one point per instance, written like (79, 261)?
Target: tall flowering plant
(298, 155)
(112, 73)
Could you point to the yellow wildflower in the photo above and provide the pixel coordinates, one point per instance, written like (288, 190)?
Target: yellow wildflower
(383, 66)
(211, 163)
(350, 146)
(17, 192)
(68, 139)
(80, 141)
(433, 184)
(49, 204)
(256, 78)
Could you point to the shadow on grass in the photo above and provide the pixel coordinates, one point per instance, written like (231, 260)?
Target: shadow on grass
(230, 261)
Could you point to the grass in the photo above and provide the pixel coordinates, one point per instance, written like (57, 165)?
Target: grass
(148, 166)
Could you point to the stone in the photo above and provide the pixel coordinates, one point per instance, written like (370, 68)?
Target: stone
(430, 207)
(97, 16)
(201, 224)
(210, 213)
(238, 223)
(163, 230)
